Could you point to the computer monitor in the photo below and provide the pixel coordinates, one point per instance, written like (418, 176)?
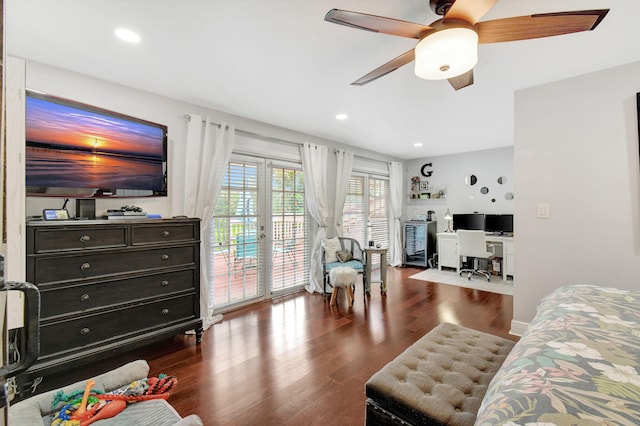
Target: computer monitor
(472, 221)
(502, 223)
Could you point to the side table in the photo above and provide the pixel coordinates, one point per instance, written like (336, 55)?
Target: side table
(382, 252)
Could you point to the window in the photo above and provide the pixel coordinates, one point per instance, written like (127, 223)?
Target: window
(354, 224)
(365, 215)
(379, 211)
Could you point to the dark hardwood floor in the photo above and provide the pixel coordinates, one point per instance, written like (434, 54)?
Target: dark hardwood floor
(295, 360)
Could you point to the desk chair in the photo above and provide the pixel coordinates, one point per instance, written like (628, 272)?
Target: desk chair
(473, 244)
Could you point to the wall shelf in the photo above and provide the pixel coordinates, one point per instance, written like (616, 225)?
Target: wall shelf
(427, 197)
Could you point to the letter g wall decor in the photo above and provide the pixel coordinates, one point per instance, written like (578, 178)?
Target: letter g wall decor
(425, 172)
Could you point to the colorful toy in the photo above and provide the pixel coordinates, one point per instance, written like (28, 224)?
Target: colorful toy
(83, 404)
(96, 405)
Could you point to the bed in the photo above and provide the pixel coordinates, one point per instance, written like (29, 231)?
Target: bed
(578, 363)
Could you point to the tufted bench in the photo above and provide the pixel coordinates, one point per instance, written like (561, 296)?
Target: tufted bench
(439, 380)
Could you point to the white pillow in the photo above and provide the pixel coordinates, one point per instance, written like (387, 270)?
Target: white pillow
(331, 246)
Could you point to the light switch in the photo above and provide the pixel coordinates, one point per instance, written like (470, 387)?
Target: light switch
(543, 210)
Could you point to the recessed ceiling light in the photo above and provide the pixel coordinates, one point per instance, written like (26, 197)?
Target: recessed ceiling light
(127, 35)
(342, 117)
(417, 144)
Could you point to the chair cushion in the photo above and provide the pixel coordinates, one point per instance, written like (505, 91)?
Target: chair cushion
(355, 264)
(331, 246)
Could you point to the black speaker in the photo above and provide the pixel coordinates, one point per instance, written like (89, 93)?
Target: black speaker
(86, 208)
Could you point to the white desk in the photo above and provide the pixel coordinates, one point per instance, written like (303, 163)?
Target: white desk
(448, 252)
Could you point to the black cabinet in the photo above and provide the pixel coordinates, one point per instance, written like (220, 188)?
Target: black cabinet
(419, 242)
(110, 286)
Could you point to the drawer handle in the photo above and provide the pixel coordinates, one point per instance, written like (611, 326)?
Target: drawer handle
(165, 311)
(164, 283)
(84, 297)
(85, 266)
(85, 239)
(85, 331)
(165, 234)
(165, 257)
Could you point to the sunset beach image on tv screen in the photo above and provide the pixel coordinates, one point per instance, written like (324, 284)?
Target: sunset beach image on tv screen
(69, 146)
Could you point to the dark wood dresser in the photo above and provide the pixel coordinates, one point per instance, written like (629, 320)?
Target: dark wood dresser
(108, 286)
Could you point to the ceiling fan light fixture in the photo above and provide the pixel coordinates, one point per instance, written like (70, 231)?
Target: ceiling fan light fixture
(446, 53)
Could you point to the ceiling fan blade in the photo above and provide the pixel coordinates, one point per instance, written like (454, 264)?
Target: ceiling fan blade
(378, 24)
(469, 10)
(385, 69)
(537, 26)
(463, 80)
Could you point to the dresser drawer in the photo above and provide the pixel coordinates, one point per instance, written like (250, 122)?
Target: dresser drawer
(163, 232)
(83, 297)
(60, 239)
(94, 329)
(93, 265)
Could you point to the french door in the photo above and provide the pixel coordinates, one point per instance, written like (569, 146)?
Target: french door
(258, 237)
(289, 229)
(237, 233)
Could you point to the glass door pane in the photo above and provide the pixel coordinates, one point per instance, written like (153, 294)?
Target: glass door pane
(289, 236)
(237, 236)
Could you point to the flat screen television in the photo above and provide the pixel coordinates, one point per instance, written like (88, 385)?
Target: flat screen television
(472, 221)
(80, 151)
(498, 223)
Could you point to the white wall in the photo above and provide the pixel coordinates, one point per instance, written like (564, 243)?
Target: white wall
(172, 113)
(576, 148)
(449, 172)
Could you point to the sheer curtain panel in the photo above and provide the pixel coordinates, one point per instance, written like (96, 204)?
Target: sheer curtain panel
(208, 151)
(344, 166)
(314, 166)
(395, 227)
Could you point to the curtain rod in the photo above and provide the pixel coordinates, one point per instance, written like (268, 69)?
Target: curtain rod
(278, 140)
(335, 151)
(248, 133)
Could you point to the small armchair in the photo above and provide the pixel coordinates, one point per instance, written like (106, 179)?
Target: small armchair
(357, 262)
(473, 244)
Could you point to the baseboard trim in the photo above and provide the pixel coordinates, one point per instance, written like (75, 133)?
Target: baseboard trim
(518, 327)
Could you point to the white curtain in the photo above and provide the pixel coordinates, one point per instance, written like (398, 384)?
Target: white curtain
(395, 226)
(314, 166)
(207, 152)
(344, 161)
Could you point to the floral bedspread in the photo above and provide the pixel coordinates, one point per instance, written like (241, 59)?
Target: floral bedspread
(578, 363)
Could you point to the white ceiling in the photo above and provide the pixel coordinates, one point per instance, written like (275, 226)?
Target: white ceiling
(279, 62)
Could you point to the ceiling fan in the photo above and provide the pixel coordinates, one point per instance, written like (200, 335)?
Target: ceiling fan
(448, 47)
